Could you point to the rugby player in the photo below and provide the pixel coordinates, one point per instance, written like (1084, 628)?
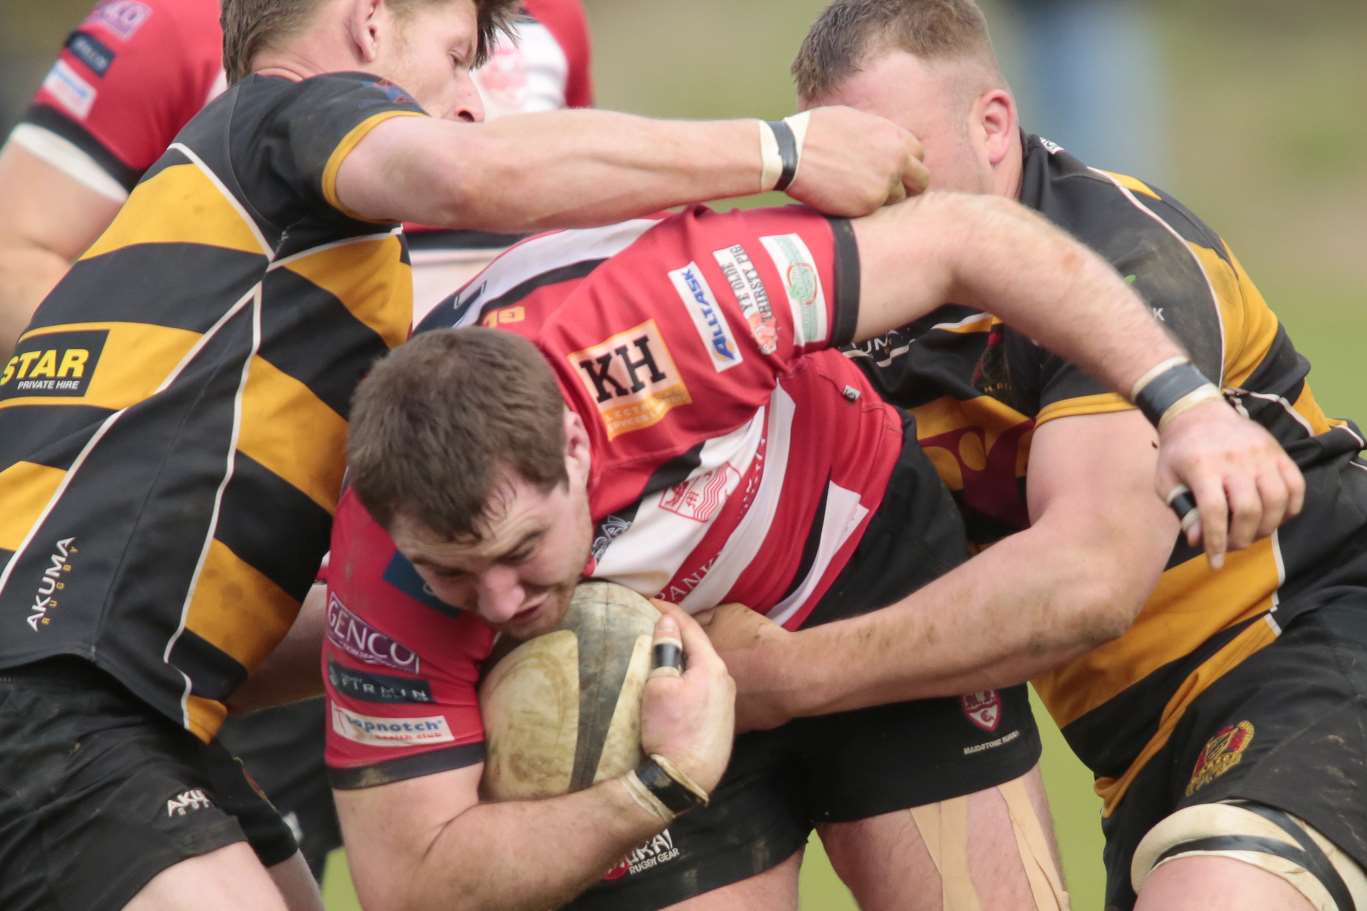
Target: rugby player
(1221, 712)
(91, 132)
(656, 403)
(172, 419)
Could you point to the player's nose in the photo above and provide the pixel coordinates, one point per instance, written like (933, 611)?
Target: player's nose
(500, 594)
(469, 105)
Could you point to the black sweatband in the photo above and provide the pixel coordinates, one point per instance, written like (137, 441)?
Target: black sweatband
(787, 152)
(666, 654)
(1182, 503)
(677, 798)
(1168, 388)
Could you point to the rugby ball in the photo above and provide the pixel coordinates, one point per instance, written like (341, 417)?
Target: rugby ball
(563, 710)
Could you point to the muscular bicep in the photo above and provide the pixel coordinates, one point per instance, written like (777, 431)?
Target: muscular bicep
(405, 169)
(1090, 479)
(905, 270)
(389, 829)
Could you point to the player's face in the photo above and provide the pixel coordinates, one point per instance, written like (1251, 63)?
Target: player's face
(429, 54)
(519, 576)
(935, 100)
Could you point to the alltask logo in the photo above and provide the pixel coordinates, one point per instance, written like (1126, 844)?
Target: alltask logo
(52, 582)
(188, 801)
(707, 317)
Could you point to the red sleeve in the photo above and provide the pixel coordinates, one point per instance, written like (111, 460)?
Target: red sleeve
(400, 668)
(687, 331)
(567, 22)
(130, 76)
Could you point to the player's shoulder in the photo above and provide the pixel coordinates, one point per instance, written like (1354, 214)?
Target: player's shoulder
(176, 30)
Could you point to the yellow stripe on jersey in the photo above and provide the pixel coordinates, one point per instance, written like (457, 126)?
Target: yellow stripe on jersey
(28, 487)
(135, 360)
(180, 205)
(1133, 184)
(1249, 324)
(277, 412)
(361, 275)
(206, 716)
(339, 154)
(1189, 605)
(238, 610)
(1251, 640)
(1100, 403)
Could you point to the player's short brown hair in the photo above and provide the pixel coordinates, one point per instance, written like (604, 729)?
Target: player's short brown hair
(438, 425)
(249, 26)
(849, 30)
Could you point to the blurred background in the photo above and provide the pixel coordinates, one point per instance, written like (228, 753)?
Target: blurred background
(1249, 111)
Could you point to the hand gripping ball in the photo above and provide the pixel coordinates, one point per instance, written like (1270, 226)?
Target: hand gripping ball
(563, 710)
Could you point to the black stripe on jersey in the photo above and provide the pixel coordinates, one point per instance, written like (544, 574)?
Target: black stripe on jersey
(65, 428)
(674, 471)
(137, 511)
(40, 115)
(90, 291)
(1190, 228)
(257, 504)
(1108, 738)
(298, 321)
(812, 544)
(216, 674)
(847, 280)
(553, 277)
(422, 240)
(1281, 372)
(169, 159)
(5, 556)
(405, 767)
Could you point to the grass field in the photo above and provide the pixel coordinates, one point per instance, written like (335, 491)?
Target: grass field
(1264, 101)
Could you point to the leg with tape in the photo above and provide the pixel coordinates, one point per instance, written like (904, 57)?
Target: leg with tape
(1252, 856)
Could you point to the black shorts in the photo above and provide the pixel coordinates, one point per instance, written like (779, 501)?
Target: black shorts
(1286, 728)
(99, 793)
(283, 749)
(852, 765)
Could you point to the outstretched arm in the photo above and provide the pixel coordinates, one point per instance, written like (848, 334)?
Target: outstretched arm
(564, 169)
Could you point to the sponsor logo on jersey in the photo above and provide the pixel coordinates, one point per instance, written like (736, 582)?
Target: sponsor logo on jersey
(701, 498)
(983, 708)
(1053, 148)
(377, 687)
(122, 17)
(46, 598)
(188, 802)
(373, 731)
(608, 531)
(659, 850)
(53, 364)
(750, 293)
(802, 283)
(362, 641)
(1220, 754)
(70, 89)
(393, 92)
(681, 586)
(631, 378)
(707, 317)
(91, 51)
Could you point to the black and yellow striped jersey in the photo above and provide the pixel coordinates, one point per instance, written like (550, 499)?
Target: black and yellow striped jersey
(978, 390)
(173, 421)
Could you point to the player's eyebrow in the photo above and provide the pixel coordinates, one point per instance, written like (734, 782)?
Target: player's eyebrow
(529, 539)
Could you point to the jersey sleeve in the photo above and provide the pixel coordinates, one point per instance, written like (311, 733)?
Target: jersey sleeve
(691, 327)
(125, 82)
(1175, 264)
(568, 24)
(294, 138)
(400, 668)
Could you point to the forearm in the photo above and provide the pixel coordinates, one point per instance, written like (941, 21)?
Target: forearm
(595, 167)
(291, 672)
(1022, 607)
(484, 859)
(27, 274)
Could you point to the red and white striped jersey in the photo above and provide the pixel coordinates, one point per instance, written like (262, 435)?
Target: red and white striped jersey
(735, 458)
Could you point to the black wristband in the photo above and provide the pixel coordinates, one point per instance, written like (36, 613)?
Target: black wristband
(1169, 387)
(666, 790)
(787, 152)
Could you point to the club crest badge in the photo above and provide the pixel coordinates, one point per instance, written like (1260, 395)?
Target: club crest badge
(1220, 754)
(983, 708)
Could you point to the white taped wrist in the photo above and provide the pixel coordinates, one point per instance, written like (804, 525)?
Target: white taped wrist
(771, 161)
(647, 801)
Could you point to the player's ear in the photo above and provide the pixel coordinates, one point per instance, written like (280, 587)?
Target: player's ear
(365, 20)
(578, 453)
(995, 115)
